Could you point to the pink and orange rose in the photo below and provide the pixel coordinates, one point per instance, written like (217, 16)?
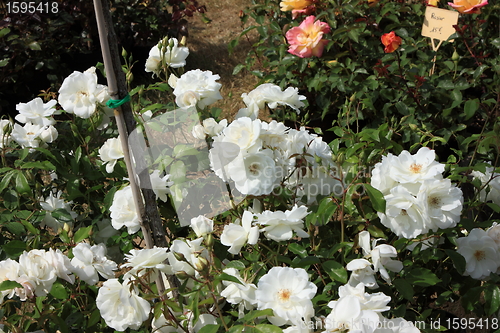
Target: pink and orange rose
(468, 6)
(306, 40)
(391, 42)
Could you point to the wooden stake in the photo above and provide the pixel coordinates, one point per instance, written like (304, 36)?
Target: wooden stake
(147, 210)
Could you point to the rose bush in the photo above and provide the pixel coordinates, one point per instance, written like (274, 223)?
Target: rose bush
(378, 228)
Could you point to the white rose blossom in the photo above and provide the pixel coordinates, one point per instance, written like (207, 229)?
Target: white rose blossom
(61, 263)
(442, 201)
(121, 306)
(480, 252)
(404, 214)
(288, 292)
(37, 112)
(491, 182)
(160, 185)
(28, 136)
(110, 152)
(271, 94)
(169, 52)
(202, 225)
(140, 261)
(236, 236)
(123, 211)
(90, 261)
(279, 226)
(193, 253)
(195, 87)
(9, 270)
(380, 256)
(255, 173)
(50, 204)
(242, 293)
(36, 274)
(356, 310)
(79, 93)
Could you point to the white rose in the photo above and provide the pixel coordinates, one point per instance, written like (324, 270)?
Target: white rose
(110, 152)
(170, 52)
(89, 261)
(202, 226)
(123, 211)
(37, 112)
(36, 274)
(121, 306)
(78, 93)
(146, 259)
(51, 203)
(235, 235)
(288, 292)
(279, 226)
(480, 252)
(49, 134)
(5, 127)
(202, 83)
(27, 136)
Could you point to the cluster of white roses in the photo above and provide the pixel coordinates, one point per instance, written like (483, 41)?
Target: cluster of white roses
(38, 128)
(276, 225)
(79, 94)
(258, 157)
(36, 271)
(418, 199)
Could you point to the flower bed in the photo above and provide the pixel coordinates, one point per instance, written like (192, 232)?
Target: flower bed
(270, 226)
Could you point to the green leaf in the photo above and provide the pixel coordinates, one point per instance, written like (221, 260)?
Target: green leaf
(59, 291)
(227, 277)
(376, 197)
(30, 227)
(6, 179)
(82, 233)
(15, 228)
(4, 31)
(404, 288)
(11, 199)
(307, 261)
(268, 328)
(178, 172)
(492, 299)
(422, 277)
(14, 248)
(458, 260)
(236, 329)
(298, 250)
(8, 285)
(257, 313)
(470, 107)
(335, 270)
(209, 328)
(4, 62)
(34, 46)
(62, 215)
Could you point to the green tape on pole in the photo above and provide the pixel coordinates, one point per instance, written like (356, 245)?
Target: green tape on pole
(114, 103)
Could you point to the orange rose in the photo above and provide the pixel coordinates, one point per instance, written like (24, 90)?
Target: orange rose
(287, 5)
(391, 42)
(468, 6)
(297, 6)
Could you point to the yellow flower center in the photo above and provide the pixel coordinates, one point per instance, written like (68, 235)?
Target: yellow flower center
(284, 295)
(416, 168)
(480, 255)
(434, 202)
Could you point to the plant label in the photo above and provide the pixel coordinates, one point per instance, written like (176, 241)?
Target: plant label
(438, 23)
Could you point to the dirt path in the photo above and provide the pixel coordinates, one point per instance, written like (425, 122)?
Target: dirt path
(208, 50)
